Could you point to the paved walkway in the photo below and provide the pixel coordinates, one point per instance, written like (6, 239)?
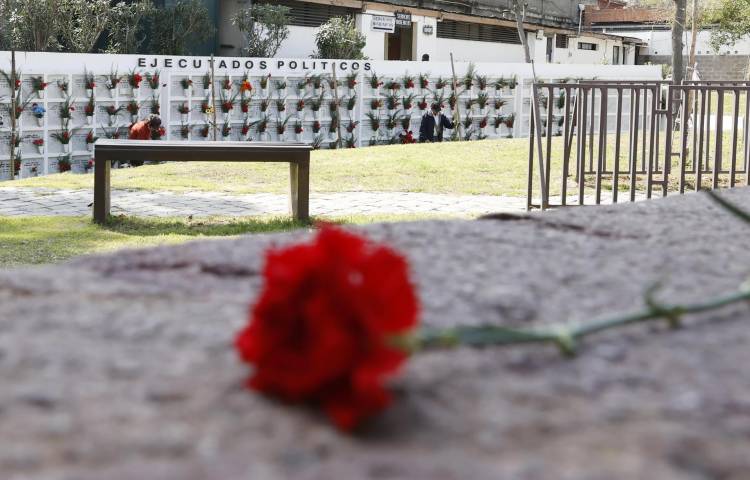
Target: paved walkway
(40, 201)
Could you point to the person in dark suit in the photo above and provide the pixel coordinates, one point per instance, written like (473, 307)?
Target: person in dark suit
(433, 124)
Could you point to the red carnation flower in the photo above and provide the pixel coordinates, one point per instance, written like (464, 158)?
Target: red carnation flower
(321, 329)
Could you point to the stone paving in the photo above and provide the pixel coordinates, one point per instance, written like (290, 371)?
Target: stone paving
(41, 201)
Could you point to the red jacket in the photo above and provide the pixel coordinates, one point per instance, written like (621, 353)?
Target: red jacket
(140, 131)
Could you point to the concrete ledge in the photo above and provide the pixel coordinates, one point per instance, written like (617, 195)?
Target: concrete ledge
(121, 366)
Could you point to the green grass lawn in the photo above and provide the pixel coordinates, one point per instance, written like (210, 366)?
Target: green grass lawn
(496, 167)
(40, 240)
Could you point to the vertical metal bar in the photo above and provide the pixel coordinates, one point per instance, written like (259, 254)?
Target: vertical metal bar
(746, 137)
(684, 133)
(668, 137)
(708, 131)
(735, 126)
(591, 130)
(719, 139)
(530, 186)
(548, 164)
(618, 135)
(699, 163)
(634, 144)
(652, 138)
(566, 147)
(646, 118)
(582, 147)
(696, 92)
(602, 157)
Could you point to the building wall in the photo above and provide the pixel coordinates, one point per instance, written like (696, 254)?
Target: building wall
(712, 67)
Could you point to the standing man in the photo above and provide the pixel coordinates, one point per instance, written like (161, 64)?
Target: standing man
(433, 124)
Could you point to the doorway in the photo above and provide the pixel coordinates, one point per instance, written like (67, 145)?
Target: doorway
(398, 45)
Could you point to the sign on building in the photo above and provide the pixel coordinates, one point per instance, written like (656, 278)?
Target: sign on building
(403, 19)
(382, 23)
(427, 29)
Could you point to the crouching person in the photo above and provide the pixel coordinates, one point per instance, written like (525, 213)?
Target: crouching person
(148, 129)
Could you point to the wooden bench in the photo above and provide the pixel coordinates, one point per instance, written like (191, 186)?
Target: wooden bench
(297, 155)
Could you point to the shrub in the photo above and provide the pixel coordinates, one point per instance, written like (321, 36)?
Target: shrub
(339, 38)
(265, 28)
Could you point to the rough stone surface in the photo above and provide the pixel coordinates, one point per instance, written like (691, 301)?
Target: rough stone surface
(121, 366)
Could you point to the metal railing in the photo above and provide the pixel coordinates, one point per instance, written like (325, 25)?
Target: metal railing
(627, 138)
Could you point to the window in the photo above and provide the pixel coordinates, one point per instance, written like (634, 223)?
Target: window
(561, 41)
(477, 32)
(587, 46)
(311, 14)
(616, 55)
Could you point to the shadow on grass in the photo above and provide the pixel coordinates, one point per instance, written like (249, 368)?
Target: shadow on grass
(205, 226)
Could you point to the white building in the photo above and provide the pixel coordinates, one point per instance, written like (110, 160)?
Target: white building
(484, 32)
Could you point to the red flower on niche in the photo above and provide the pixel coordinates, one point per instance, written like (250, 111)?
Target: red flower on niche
(322, 327)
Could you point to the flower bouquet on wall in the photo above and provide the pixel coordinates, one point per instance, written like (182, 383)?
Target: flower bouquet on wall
(264, 85)
(245, 130)
(134, 81)
(408, 103)
(90, 140)
(280, 87)
(155, 105)
(187, 86)
(351, 83)
(245, 106)
(226, 86)
(206, 83)
(133, 109)
(38, 86)
(113, 80)
(184, 110)
(350, 141)
(406, 123)
(89, 110)
(66, 111)
(391, 122)
(246, 88)
(89, 83)
(440, 85)
(298, 131)
(226, 132)
(206, 110)
(351, 103)
(317, 84)
(185, 131)
(38, 111)
(468, 78)
(281, 127)
(375, 84)
(424, 82)
(63, 163)
(333, 127)
(263, 128)
(280, 106)
(422, 105)
(154, 81)
(481, 102)
(374, 122)
(392, 102)
(509, 121)
(498, 104)
(315, 104)
(408, 82)
(496, 122)
(204, 131)
(64, 87)
(39, 144)
(393, 86)
(481, 82)
(158, 134)
(300, 107)
(316, 127)
(376, 104)
(333, 107)
(351, 126)
(483, 124)
(63, 138)
(227, 105)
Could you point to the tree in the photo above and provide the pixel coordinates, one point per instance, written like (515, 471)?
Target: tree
(678, 30)
(82, 23)
(265, 28)
(127, 32)
(173, 27)
(732, 22)
(339, 38)
(30, 25)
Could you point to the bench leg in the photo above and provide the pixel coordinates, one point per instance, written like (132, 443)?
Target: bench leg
(299, 173)
(101, 191)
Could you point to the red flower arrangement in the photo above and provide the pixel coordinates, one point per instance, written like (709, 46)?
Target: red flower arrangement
(245, 104)
(38, 142)
(352, 125)
(316, 126)
(245, 86)
(351, 299)
(90, 138)
(298, 128)
(376, 104)
(422, 104)
(158, 133)
(183, 109)
(18, 84)
(204, 131)
(245, 129)
(135, 79)
(89, 109)
(227, 106)
(483, 122)
(300, 105)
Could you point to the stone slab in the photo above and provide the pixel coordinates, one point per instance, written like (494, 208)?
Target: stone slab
(121, 366)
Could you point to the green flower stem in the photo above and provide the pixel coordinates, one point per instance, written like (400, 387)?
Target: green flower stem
(565, 336)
